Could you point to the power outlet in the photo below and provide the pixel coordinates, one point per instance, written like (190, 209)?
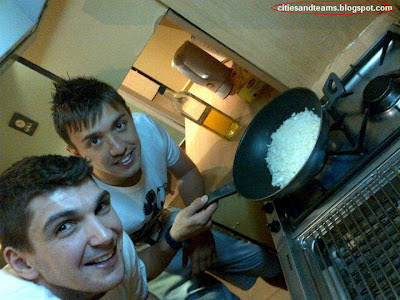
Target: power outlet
(23, 124)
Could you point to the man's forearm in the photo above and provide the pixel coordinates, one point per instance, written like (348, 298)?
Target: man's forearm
(189, 222)
(191, 186)
(157, 258)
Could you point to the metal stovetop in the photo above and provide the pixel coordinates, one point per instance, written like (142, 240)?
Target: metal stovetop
(347, 115)
(340, 236)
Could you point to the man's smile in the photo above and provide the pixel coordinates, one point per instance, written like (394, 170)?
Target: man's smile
(126, 160)
(106, 260)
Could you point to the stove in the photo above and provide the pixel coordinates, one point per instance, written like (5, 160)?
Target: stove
(316, 222)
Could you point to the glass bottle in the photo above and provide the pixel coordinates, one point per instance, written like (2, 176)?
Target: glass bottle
(202, 113)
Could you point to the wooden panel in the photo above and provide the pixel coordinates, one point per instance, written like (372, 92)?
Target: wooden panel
(294, 49)
(141, 85)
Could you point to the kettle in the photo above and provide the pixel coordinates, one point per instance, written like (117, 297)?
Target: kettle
(203, 69)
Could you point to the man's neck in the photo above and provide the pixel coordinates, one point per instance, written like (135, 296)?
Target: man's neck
(126, 182)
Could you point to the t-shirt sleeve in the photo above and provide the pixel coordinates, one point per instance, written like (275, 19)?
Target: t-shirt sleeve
(135, 270)
(13, 287)
(172, 149)
(173, 152)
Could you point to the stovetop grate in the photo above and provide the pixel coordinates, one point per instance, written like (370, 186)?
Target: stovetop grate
(350, 114)
(356, 246)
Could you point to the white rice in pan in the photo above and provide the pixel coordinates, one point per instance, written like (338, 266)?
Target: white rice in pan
(291, 146)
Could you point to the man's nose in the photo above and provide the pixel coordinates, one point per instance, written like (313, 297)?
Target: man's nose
(99, 234)
(116, 146)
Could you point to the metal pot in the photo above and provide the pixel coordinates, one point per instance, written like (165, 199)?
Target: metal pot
(251, 177)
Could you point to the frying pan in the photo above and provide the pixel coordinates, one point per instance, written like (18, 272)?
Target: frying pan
(251, 177)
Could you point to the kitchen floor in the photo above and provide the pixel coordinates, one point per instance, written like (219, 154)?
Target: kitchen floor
(260, 291)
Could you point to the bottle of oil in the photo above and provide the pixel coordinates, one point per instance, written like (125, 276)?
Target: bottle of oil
(202, 113)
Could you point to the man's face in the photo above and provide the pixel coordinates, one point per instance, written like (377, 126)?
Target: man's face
(112, 146)
(77, 240)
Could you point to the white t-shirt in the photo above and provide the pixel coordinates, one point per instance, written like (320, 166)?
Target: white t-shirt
(134, 285)
(135, 205)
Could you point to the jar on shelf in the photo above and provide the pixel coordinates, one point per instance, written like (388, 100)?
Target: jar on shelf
(246, 85)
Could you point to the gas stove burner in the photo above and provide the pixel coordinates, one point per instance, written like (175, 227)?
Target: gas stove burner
(382, 93)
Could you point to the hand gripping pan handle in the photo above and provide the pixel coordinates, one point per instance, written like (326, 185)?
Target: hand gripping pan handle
(222, 192)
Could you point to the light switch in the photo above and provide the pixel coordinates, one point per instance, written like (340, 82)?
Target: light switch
(23, 124)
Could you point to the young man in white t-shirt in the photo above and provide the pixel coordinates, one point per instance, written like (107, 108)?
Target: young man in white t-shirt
(131, 155)
(62, 239)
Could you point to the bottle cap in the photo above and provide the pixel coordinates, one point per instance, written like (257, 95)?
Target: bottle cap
(162, 89)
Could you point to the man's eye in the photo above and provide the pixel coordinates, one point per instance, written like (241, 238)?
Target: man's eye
(103, 208)
(64, 227)
(94, 141)
(120, 125)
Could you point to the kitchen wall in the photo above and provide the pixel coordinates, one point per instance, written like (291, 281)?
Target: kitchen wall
(94, 37)
(26, 92)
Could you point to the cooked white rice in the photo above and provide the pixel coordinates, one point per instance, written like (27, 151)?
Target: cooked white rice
(291, 146)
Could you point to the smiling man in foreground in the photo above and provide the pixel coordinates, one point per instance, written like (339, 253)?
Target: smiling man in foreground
(62, 239)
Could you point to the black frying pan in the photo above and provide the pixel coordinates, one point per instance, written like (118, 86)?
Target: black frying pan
(251, 177)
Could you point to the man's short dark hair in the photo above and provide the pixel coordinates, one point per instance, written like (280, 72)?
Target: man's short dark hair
(31, 177)
(79, 101)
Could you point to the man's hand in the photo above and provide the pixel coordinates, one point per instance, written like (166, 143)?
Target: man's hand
(188, 223)
(201, 252)
(192, 220)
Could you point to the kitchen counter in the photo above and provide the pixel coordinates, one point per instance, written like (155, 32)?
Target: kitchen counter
(214, 157)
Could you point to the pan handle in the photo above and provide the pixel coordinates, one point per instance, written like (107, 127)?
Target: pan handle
(222, 192)
(332, 92)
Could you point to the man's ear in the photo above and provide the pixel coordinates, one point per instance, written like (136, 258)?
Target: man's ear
(72, 150)
(19, 263)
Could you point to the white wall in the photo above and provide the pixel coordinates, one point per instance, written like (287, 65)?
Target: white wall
(28, 93)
